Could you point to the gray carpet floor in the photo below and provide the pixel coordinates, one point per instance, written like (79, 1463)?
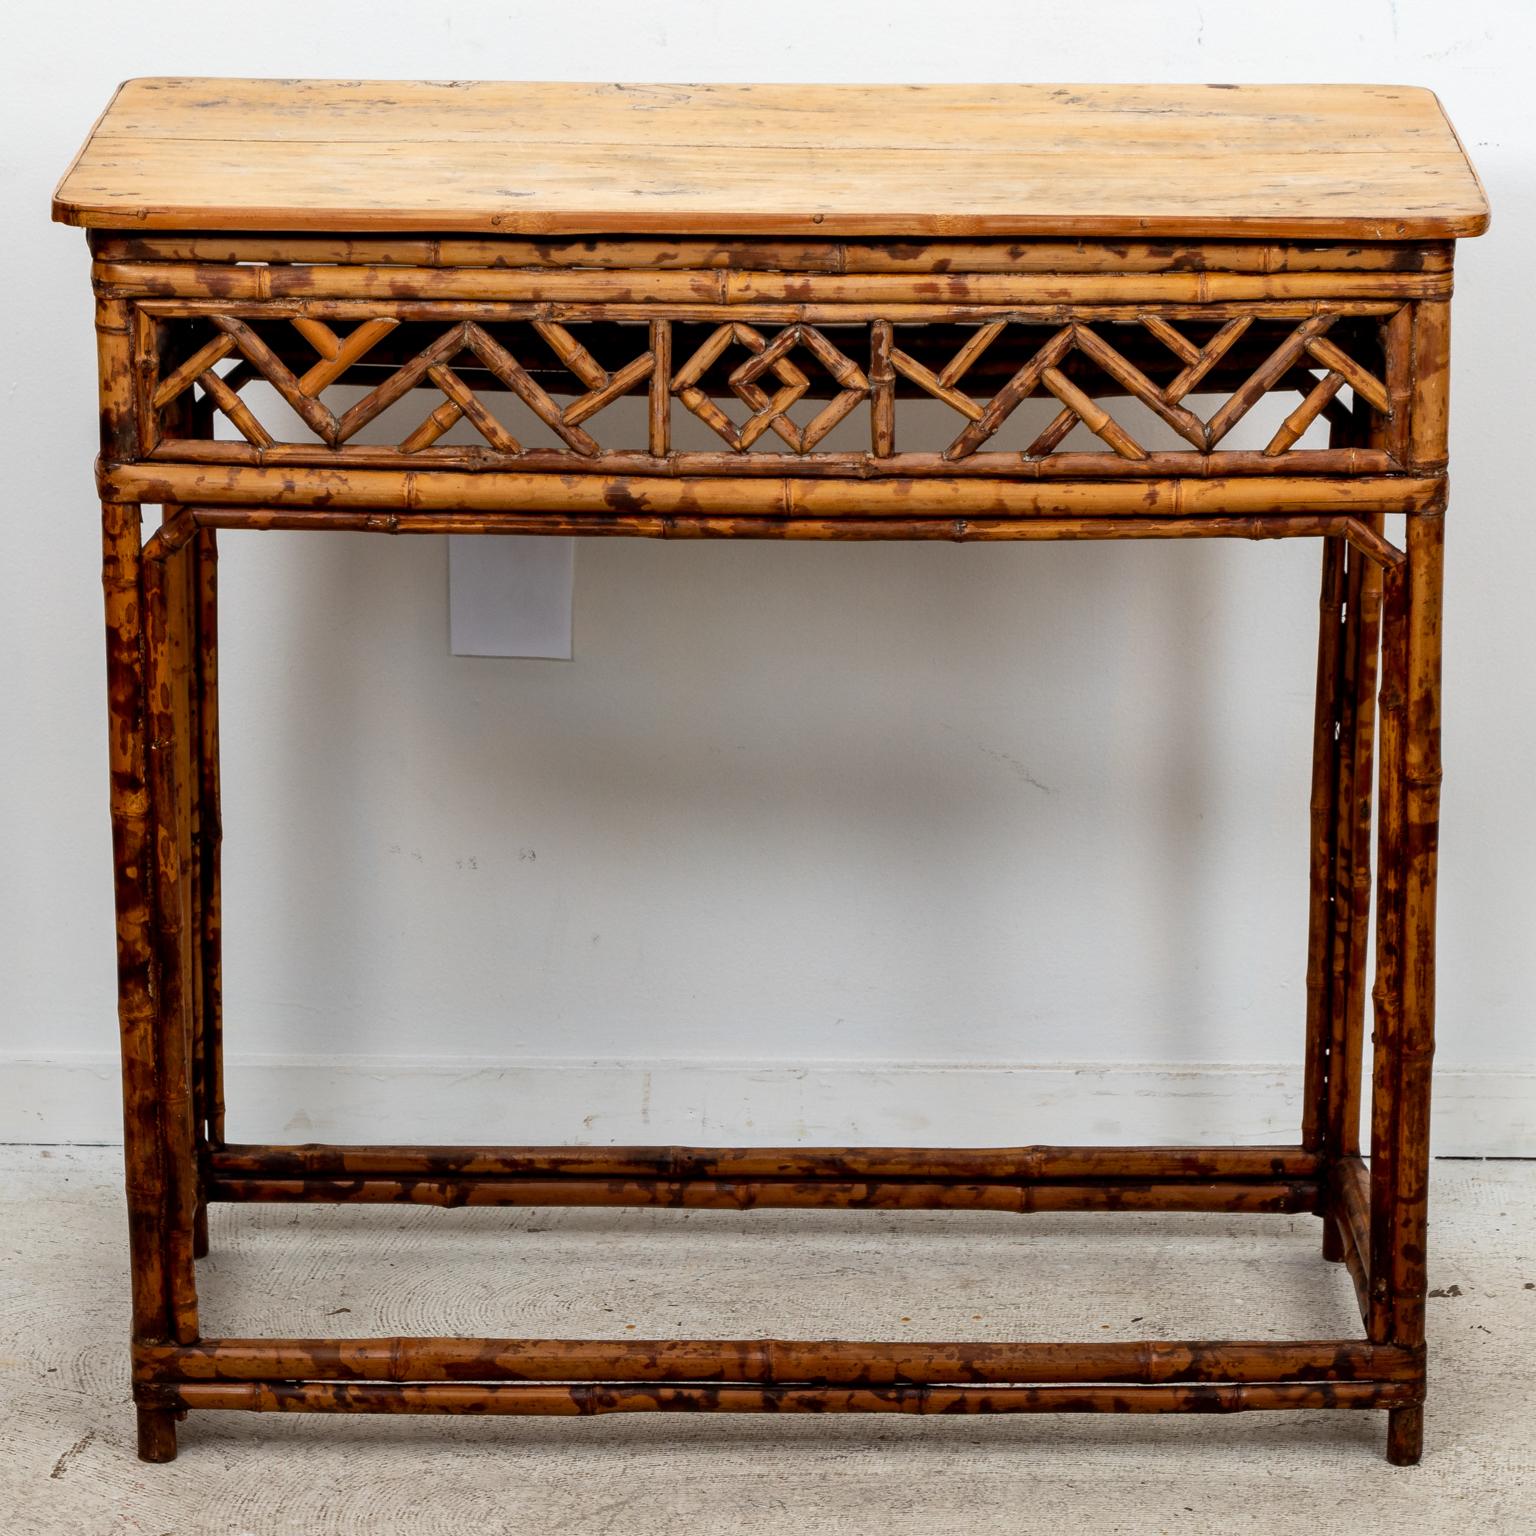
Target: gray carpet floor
(66, 1429)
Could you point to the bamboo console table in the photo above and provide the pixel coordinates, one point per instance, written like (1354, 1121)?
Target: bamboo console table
(277, 264)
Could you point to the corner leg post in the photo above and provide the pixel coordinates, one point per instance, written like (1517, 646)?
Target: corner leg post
(156, 1433)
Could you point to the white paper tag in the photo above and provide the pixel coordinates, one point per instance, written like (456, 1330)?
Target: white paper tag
(510, 595)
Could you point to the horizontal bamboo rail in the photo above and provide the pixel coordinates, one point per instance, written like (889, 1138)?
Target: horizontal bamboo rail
(728, 287)
(1020, 1180)
(954, 530)
(851, 312)
(933, 1164)
(1019, 1197)
(510, 491)
(841, 256)
(473, 458)
(1350, 1210)
(769, 1362)
(603, 1397)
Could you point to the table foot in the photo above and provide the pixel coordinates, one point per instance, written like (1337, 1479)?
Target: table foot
(1405, 1435)
(157, 1434)
(1333, 1241)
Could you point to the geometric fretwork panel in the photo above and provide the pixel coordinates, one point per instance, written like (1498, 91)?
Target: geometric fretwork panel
(762, 385)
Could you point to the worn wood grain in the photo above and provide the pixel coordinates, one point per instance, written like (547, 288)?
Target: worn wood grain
(1352, 162)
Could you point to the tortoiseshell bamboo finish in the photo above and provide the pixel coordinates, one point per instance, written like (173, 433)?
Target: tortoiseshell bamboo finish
(1354, 333)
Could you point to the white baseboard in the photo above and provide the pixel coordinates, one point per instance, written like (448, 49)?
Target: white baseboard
(1486, 1112)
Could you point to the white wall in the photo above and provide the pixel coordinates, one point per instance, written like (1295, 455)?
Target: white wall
(884, 842)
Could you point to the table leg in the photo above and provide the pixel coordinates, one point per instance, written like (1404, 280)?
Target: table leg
(208, 1037)
(1406, 937)
(1324, 830)
(1407, 1195)
(1352, 875)
(1343, 737)
(1342, 792)
(144, 1150)
(168, 585)
(147, 1156)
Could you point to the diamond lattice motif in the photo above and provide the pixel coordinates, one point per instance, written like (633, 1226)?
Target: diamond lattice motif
(770, 412)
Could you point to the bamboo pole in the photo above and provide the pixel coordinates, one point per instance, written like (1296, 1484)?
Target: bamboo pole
(931, 383)
(1355, 879)
(467, 405)
(211, 1064)
(769, 1362)
(144, 1151)
(178, 531)
(1184, 464)
(660, 390)
(181, 586)
(1092, 415)
(1267, 1196)
(955, 530)
(1397, 355)
(604, 1397)
(1361, 380)
(133, 854)
(191, 369)
(1137, 384)
(133, 860)
(1431, 385)
(882, 382)
(937, 1164)
(1038, 255)
(1407, 1274)
(145, 343)
(1352, 880)
(786, 313)
(496, 491)
(189, 779)
(1406, 936)
(507, 369)
(165, 596)
(1387, 992)
(1314, 403)
(1265, 377)
(272, 368)
(1324, 829)
(1353, 1258)
(970, 353)
(724, 286)
(1348, 904)
(116, 380)
(1350, 1205)
(1011, 395)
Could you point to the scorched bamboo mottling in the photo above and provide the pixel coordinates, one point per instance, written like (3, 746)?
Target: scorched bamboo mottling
(1097, 289)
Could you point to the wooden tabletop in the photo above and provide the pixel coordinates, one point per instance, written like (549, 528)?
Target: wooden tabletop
(1357, 162)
